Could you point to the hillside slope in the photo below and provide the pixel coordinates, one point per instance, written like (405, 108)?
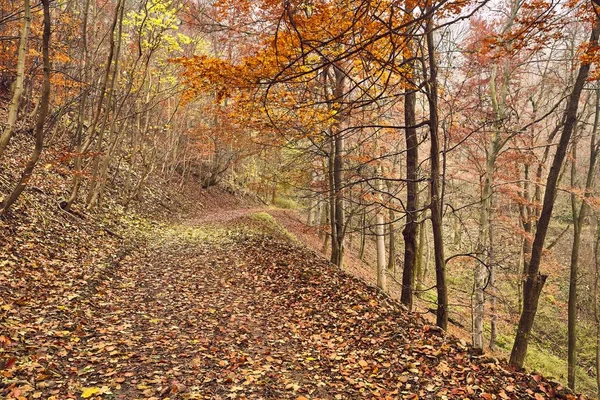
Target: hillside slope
(214, 305)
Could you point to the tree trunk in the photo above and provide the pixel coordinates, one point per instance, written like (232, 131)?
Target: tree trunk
(84, 147)
(337, 213)
(535, 281)
(43, 112)
(363, 235)
(434, 185)
(595, 299)
(380, 240)
(578, 220)
(391, 263)
(13, 110)
(481, 270)
(313, 205)
(410, 229)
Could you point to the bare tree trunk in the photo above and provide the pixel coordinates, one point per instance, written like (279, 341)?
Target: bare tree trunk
(84, 73)
(492, 286)
(100, 167)
(419, 267)
(410, 229)
(535, 281)
(578, 220)
(84, 147)
(481, 270)
(595, 297)
(313, 205)
(363, 235)
(380, 240)
(391, 263)
(434, 185)
(337, 205)
(39, 126)
(13, 110)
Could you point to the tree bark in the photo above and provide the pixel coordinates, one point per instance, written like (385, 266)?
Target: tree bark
(535, 280)
(578, 220)
(337, 212)
(13, 110)
(410, 229)
(380, 240)
(43, 112)
(91, 135)
(595, 298)
(434, 184)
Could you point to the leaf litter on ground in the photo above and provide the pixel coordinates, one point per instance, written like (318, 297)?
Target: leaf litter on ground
(240, 312)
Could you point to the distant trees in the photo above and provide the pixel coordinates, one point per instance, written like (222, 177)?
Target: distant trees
(20, 78)
(534, 279)
(44, 104)
(115, 97)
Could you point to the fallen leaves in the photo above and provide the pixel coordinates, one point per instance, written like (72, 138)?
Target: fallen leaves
(91, 391)
(247, 317)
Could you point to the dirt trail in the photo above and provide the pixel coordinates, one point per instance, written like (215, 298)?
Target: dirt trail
(217, 309)
(223, 216)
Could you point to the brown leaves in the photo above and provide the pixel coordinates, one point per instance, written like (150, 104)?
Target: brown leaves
(247, 316)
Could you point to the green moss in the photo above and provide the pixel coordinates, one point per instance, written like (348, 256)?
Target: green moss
(550, 365)
(555, 367)
(286, 203)
(268, 224)
(263, 217)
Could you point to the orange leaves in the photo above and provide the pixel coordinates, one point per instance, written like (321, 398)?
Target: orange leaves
(209, 74)
(590, 54)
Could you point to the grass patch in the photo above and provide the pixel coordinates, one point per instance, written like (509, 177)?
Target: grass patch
(551, 365)
(268, 224)
(556, 367)
(286, 203)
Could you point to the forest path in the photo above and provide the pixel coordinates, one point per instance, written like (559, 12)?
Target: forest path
(227, 306)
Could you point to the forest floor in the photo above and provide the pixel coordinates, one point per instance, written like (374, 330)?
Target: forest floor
(221, 304)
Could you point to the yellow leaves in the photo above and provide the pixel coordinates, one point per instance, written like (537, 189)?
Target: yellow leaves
(157, 24)
(88, 392)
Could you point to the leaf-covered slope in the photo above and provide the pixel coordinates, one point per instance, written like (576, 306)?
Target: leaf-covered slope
(228, 310)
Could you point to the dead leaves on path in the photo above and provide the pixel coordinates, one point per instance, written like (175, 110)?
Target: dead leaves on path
(253, 317)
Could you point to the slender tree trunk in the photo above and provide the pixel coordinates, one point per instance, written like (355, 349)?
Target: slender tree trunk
(13, 110)
(535, 280)
(326, 221)
(391, 263)
(380, 240)
(338, 224)
(332, 205)
(313, 205)
(84, 73)
(363, 235)
(493, 297)
(419, 267)
(410, 229)
(573, 276)
(91, 132)
(436, 200)
(481, 270)
(43, 112)
(578, 220)
(595, 297)
(98, 169)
